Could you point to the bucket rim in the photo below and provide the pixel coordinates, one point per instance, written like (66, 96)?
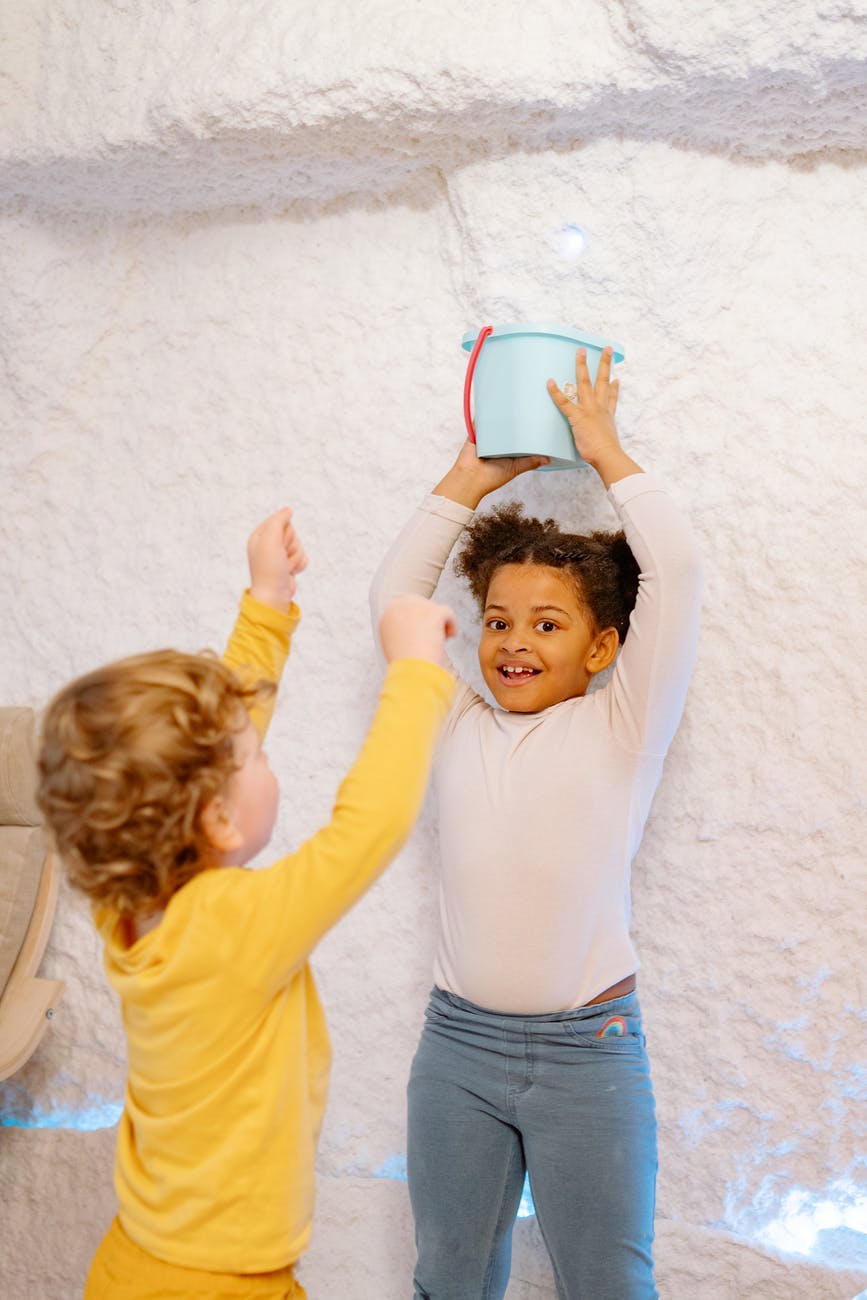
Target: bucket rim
(555, 331)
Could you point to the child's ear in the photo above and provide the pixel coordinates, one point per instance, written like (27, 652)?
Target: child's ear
(603, 650)
(219, 825)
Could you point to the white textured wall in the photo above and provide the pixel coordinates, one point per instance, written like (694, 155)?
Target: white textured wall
(237, 253)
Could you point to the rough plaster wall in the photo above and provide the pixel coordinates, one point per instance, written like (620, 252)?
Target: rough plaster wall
(236, 259)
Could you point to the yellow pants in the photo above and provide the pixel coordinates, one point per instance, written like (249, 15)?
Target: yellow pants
(121, 1270)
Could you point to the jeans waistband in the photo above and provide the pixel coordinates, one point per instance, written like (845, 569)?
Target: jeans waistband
(626, 1006)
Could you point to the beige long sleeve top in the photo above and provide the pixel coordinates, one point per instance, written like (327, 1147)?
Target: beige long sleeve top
(540, 814)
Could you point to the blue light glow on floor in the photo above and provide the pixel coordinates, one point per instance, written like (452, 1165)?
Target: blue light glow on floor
(526, 1209)
(828, 1227)
(393, 1167)
(86, 1119)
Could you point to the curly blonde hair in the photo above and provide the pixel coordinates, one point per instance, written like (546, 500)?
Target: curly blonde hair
(130, 755)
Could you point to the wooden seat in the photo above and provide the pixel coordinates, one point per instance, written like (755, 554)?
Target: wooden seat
(29, 882)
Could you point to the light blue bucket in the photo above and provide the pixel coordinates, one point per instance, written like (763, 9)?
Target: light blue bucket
(512, 411)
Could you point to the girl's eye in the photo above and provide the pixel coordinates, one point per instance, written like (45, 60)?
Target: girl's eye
(545, 625)
(496, 625)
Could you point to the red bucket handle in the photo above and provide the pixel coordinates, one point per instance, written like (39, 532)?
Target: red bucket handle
(468, 382)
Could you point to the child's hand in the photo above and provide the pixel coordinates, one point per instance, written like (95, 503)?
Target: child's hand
(471, 478)
(275, 555)
(414, 628)
(591, 419)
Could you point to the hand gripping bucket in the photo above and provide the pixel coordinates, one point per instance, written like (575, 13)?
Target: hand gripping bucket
(506, 375)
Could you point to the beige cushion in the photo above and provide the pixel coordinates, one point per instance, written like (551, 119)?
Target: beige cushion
(22, 855)
(18, 768)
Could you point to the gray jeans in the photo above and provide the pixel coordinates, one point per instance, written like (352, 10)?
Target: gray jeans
(565, 1096)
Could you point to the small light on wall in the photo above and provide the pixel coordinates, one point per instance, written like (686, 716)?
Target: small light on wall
(573, 241)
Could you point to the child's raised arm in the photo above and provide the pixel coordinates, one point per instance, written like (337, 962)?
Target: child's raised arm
(275, 556)
(648, 686)
(591, 419)
(292, 904)
(418, 554)
(259, 643)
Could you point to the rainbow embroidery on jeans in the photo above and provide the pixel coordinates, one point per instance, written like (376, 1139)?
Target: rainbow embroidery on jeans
(614, 1027)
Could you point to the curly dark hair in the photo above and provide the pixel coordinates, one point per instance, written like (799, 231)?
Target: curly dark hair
(600, 564)
(130, 755)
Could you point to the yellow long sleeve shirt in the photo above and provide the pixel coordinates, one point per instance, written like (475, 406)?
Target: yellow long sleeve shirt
(228, 1048)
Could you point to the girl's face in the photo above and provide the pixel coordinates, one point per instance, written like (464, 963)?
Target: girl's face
(539, 645)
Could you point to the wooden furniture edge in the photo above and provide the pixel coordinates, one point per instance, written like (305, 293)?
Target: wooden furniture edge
(27, 1004)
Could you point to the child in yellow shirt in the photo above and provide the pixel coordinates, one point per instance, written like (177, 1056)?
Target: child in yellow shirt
(155, 785)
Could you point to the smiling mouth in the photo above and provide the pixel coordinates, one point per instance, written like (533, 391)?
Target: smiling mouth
(514, 675)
